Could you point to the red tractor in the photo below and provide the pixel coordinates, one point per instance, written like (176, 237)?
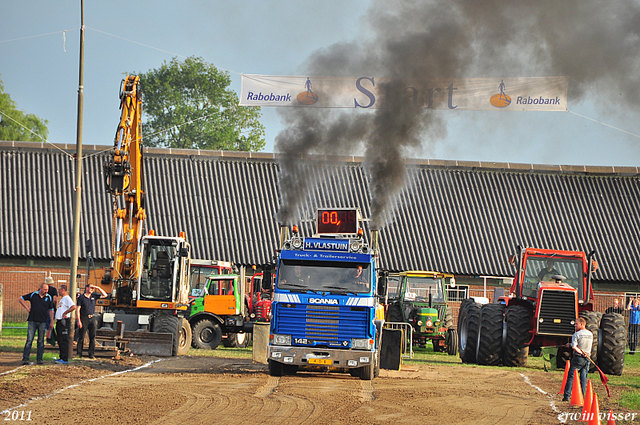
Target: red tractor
(550, 291)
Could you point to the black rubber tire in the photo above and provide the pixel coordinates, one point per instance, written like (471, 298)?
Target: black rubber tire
(237, 340)
(367, 373)
(452, 342)
(206, 335)
(394, 313)
(564, 355)
(612, 331)
(468, 325)
(276, 368)
(593, 325)
(448, 319)
(179, 327)
(490, 335)
(436, 346)
(516, 351)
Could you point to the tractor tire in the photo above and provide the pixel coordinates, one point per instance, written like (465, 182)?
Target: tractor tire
(206, 335)
(593, 325)
(448, 319)
(179, 328)
(612, 344)
(564, 355)
(276, 368)
(468, 326)
(490, 335)
(394, 314)
(516, 351)
(436, 346)
(237, 340)
(452, 342)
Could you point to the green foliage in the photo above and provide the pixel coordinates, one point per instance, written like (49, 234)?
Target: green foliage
(14, 132)
(192, 102)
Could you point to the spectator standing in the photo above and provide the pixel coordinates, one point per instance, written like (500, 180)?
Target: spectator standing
(634, 323)
(63, 323)
(86, 321)
(581, 343)
(616, 307)
(40, 311)
(53, 293)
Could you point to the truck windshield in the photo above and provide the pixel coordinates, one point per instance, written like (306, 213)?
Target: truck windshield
(541, 269)
(326, 276)
(419, 288)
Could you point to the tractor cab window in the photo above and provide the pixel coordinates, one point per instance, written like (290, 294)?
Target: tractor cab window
(221, 287)
(393, 285)
(542, 269)
(419, 288)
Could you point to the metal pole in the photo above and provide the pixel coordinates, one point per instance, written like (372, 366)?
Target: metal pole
(78, 205)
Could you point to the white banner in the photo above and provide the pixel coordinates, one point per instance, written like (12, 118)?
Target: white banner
(476, 94)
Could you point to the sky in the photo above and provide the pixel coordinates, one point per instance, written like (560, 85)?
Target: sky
(39, 69)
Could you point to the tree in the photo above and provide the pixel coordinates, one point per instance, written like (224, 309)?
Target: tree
(15, 124)
(189, 105)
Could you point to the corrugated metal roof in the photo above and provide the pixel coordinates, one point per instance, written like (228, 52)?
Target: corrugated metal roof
(464, 218)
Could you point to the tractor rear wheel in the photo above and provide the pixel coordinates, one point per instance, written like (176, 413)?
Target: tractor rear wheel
(394, 314)
(237, 340)
(516, 351)
(207, 335)
(563, 355)
(611, 351)
(452, 342)
(593, 325)
(490, 335)
(468, 322)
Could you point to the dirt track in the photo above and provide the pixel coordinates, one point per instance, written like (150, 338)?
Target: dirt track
(199, 390)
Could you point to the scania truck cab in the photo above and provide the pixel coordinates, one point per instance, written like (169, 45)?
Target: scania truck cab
(327, 313)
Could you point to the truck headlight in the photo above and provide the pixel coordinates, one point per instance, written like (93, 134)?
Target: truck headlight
(362, 344)
(296, 243)
(281, 339)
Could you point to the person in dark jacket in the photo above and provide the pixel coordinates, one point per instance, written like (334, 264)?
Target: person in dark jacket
(86, 308)
(40, 311)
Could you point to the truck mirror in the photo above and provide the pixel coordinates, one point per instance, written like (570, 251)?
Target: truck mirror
(266, 280)
(382, 285)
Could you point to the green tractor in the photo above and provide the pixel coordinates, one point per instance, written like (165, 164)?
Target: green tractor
(420, 299)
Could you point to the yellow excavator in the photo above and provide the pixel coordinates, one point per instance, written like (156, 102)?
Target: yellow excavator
(148, 281)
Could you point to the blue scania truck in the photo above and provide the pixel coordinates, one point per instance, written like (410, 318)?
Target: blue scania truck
(327, 311)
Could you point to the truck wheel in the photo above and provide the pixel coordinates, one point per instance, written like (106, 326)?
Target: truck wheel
(237, 340)
(593, 324)
(516, 351)
(179, 328)
(452, 342)
(276, 368)
(468, 322)
(367, 372)
(611, 351)
(490, 335)
(207, 335)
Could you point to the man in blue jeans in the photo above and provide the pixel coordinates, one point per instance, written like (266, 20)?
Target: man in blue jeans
(40, 309)
(581, 343)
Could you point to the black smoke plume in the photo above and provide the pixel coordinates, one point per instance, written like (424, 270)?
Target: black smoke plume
(595, 43)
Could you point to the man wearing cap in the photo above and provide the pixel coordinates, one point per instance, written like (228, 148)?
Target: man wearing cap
(40, 310)
(86, 307)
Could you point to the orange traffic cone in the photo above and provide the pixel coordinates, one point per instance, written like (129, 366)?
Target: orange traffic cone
(595, 411)
(610, 420)
(564, 380)
(588, 398)
(576, 392)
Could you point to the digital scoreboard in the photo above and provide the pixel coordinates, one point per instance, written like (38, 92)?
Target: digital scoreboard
(338, 221)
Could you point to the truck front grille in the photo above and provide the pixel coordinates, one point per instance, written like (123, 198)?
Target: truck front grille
(557, 311)
(320, 323)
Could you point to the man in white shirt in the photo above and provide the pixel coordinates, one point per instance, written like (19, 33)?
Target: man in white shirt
(63, 323)
(581, 343)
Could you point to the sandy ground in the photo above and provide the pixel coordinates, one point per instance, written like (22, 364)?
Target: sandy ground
(206, 390)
